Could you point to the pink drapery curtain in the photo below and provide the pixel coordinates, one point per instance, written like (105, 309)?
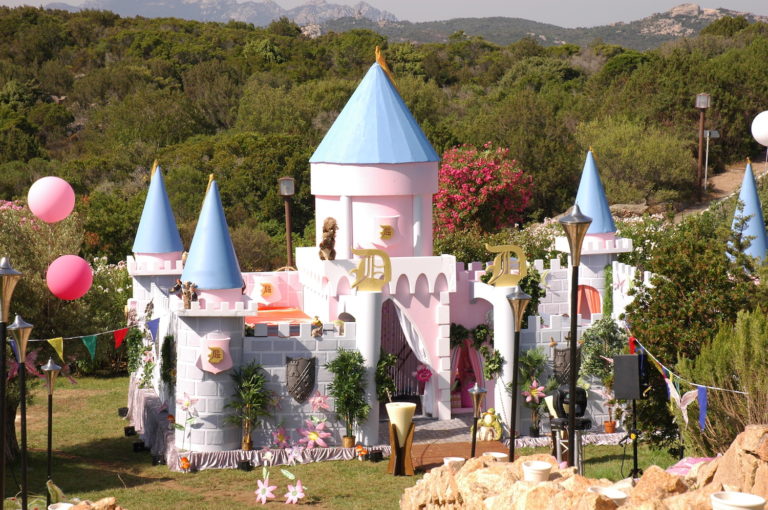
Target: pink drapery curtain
(476, 360)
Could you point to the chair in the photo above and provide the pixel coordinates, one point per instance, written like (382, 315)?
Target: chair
(560, 408)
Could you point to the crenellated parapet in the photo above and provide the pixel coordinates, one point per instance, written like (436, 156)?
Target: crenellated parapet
(143, 266)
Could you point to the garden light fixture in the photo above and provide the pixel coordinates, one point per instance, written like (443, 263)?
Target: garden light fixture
(575, 226)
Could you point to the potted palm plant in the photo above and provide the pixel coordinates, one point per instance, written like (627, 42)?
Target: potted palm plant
(348, 391)
(250, 401)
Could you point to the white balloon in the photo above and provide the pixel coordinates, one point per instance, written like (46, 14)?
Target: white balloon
(760, 128)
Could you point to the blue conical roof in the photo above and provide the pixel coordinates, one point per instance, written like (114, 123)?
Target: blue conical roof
(212, 263)
(157, 231)
(374, 127)
(592, 201)
(754, 226)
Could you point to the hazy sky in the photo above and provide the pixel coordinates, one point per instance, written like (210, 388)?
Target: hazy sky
(566, 13)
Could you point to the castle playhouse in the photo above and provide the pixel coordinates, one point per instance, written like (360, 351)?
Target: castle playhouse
(374, 173)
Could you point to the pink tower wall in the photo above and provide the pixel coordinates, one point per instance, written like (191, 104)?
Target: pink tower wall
(368, 196)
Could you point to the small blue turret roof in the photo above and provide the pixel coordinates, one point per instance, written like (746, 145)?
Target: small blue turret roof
(212, 263)
(374, 127)
(592, 201)
(157, 232)
(755, 225)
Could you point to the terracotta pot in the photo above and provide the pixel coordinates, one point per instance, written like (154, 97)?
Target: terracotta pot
(609, 426)
(348, 441)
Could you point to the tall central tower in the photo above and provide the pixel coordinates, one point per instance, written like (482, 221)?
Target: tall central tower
(375, 173)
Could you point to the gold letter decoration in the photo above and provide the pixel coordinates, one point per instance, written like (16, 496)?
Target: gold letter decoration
(371, 276)
(502, 268)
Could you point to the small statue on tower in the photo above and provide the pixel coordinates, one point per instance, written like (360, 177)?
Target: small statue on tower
(328, 244)
(187, 291)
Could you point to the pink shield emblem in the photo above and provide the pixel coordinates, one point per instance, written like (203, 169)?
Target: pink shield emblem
(214, 355)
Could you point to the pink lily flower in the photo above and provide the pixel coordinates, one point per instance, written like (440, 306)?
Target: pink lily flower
(264, 492)
(535, 392)
(319, 401)
(314, 434)
(29, 362)
(294, 494)
(280, 437)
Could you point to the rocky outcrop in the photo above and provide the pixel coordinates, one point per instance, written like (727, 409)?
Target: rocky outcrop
(484, 484)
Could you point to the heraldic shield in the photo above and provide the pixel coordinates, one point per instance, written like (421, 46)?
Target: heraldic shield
(214, 353)
(300, 377)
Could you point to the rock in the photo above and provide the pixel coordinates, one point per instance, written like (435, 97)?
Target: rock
(489, 485)
(705, 472)
(692, 499)
(739, 465)
(540, 497)
(656, 484)
(437, 488)
(582, 501)
(478, 480)
(578, 483)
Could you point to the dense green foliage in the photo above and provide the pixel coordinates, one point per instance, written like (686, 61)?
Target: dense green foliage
(735, 359)
(696, 288)
(95, 98)
(603, 339)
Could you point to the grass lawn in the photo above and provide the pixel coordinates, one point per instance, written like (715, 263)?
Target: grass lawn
(92, 459)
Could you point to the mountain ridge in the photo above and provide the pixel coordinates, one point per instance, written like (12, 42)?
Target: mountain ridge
(320, 16)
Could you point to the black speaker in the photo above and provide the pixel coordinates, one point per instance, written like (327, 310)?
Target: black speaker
(627, 383)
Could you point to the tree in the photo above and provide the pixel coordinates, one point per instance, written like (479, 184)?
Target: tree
(734, 359)
(726, 26)
(638, 161)
(695, 289)
(348, 388)
(482, 187)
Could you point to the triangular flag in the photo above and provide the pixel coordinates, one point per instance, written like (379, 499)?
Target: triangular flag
(152, 326)
(702, 406)
(120, 336)
(685, 401)
(90, 344)
(58, 346)
(672, 393)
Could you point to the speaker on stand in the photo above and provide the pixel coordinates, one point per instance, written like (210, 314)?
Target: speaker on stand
(628, 385)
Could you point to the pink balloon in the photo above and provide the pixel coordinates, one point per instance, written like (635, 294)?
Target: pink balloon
(69, 277)
(51, 199)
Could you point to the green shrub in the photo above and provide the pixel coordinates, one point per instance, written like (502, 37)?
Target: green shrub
(735, 359)
(385, 383)
(603, 338)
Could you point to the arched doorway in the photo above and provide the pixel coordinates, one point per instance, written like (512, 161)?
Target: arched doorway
(589, 301)
(393, 341)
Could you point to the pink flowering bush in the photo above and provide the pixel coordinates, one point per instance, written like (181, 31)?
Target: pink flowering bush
(483, 187)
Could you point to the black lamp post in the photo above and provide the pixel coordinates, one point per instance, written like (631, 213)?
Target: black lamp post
(9, 277)
(575, 226)
(51, 370)
(286, 191)
(703, 101)
(519, 301)
(21, 329)
(478, 394)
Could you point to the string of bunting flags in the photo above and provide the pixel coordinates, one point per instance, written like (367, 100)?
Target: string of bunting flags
(673, 381)
(90, 340)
